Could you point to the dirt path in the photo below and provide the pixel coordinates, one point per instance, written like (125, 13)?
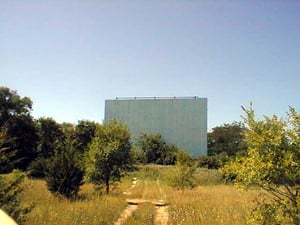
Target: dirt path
(161, 208)
(162, 215)
(125, 214)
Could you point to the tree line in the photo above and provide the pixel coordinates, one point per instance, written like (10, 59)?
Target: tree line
(29, 142)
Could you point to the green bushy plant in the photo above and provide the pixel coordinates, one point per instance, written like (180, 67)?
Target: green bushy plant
(272, 164)
(64, 175)
(11, 190)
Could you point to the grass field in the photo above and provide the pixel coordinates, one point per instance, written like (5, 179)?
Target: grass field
(91, 208)
(219, 204)
(211, 202)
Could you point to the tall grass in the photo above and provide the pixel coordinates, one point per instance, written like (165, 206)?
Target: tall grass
(209, 177)
(218, 204)
(152, 183)
(143, 215)
(211, 202)
(93, 208)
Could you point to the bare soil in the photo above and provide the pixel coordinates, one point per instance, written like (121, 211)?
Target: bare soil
(161, 207)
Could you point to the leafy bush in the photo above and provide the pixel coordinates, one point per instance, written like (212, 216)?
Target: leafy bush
(64, 175)
(38, 168)
(11, 190)
(272, 164)
(184, 170)
(213, 162)
(156, 150)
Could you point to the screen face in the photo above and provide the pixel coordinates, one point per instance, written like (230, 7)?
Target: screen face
(180, 121)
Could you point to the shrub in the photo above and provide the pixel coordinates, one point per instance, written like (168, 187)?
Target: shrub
(37, 169)
(64, 175)
(11, 190)
(272, 164)
(213, 162)
(184, 170)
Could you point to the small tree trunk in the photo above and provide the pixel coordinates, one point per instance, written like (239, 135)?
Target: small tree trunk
(107, 186)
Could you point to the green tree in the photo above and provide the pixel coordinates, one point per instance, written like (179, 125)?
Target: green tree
(64, 175)
(22, 139)
(227, 138)
(150, 144)
(6, 155)
(273, 165)
(11, 104)
(20, 131)
(156, 150)
(83, 134)
(167, 154)
(109, 156)
(50, 134)
(68, 129)
(213, 161)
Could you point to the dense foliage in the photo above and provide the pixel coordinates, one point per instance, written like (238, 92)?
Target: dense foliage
(83, 134)
(19, 128)
(11, 104)
(109, 156)
(6, 154)
(64, 175)
(156, 150)
(213, 161)
(273, 165)
(11, 190)
(50, 135)
(223, 143)
(227, 138)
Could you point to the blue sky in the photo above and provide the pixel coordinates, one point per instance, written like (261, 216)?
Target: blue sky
(69, 56)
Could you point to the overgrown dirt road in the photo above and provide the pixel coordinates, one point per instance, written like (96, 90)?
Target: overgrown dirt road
(146, 191)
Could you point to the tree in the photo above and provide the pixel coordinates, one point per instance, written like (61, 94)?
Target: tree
(22, 138)
(273, 165)
(15, 119)
(64, 175)
(6, 155)
(83, 134)
(50, 134)
(150, 144)
(68, 129)
(227, 138)
(156, 150)
(167, 154)
(213, 161)
(11, 104)
(109, 156)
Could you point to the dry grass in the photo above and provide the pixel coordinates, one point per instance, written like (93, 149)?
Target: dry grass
(92, 208)
(151, 190)
(207, 204)
(143, 215)
(220, 204)
(210, 203)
